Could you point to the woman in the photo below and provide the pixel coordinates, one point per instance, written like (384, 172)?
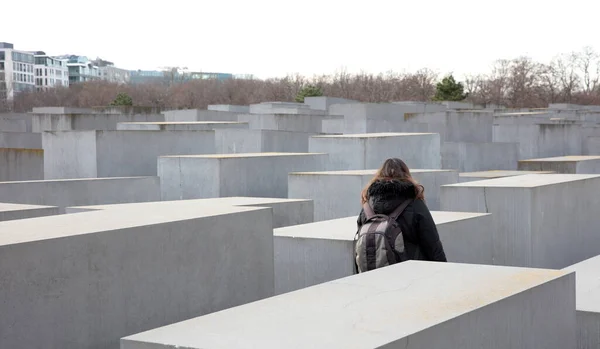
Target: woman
(390, 187)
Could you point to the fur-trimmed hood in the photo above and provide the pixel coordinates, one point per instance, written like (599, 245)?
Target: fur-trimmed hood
(385, 195)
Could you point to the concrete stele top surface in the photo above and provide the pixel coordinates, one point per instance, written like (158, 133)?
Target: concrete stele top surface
(5, 207)
(363, 311)
(229, 201)
(374, 135)
(240, 155)
(572, 158)
(345, 228)
(60, 226)
(78, 179)
(588, 284)
(500, 173)
(359, 172)
(525, 181)
(183, 123)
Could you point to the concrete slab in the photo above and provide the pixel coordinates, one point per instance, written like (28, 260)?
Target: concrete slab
(180, 126)
(189, 115)
(370, 150)
(508, 308)
(332, 125)
(453, 126)
(336, 194)
(12, 125)
(591, 146)
(62, 110)
(467, 157)
(579, 164)
(91, 154)
(314, 253)
(79, 192)
(541, 140)
(221, 175)
(230, 108)
(491, 174)
(324, 103)
(534, 220)
(19, 164)
(81, 122)
(26, 140)
(231, 141)
(286, 212)
(379, 117)
(284, 108)
(588, 302)
(9, 212)
(85, 280)
(306, 123)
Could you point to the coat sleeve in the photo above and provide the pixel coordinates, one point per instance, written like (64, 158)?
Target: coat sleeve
(427, 233)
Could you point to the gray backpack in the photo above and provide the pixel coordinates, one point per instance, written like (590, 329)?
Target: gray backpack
(379, 241)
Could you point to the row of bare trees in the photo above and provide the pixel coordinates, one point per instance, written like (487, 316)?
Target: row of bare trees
(519, 82)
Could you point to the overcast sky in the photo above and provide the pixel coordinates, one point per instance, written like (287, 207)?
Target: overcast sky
(275, 37)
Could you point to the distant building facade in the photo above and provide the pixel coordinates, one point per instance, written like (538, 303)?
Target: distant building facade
(17, 72)
(110, 73)
(81, 69)
(175, 76)
(50, 72)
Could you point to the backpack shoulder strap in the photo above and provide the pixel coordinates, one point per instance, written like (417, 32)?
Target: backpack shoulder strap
(398, 211)
(368, 210)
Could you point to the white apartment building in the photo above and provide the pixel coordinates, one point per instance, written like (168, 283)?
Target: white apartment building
(17, 72)
(50, 72)
(81, 69)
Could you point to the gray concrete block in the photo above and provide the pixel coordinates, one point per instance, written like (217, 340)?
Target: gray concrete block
(79, 192)
(477, 307)
(467, 157)
(229, 108)
(19, 164)
(588, 302)
(336, 194)
(62, 110)
(332, 125)
(563, 164)
(483, 175)
(453, 126)
(284, 108)
(286, 212)
(538, 220)
(591, 146)
(180, 126)
(12, 125)
(15, 122)
(129, 110)
(91, 154)
(26, 140)
(324, 103)
(370, 150)
(231, 141)
(541, 140)
(379, 117)
(85, 280)
(284, 122)
(89, 122)
(9, 212)
(190, 115)
(248, 174)
(314, 253)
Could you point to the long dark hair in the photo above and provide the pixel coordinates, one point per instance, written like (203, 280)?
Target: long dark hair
(394, 169)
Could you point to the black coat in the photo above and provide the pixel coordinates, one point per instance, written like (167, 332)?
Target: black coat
(417, 225)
